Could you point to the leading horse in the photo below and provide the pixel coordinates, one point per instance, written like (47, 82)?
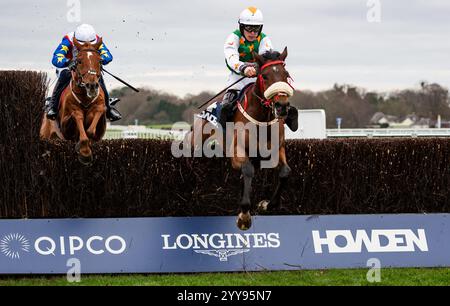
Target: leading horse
(264, 105)
(81, 116)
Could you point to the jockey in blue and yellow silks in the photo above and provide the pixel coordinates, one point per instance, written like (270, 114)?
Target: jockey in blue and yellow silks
(66, 50)
(64, 59)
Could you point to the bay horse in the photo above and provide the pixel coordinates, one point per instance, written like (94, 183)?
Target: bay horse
(82, 110)
(265, 105)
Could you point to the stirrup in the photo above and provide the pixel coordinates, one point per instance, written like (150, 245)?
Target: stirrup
(51, 114)
(113, 101)
(113, 114)
(47, 104)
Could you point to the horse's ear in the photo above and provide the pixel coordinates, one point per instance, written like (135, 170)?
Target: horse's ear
(259, 59)
(284, 54)
(77, 44)
(98, 44)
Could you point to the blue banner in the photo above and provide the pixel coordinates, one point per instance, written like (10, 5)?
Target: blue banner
(214, 244)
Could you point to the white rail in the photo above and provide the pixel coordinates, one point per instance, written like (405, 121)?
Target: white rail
(331, 133)
(370, 133)
(144, 134)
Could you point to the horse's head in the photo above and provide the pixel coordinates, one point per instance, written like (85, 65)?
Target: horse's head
(88, 67)
(273, 81)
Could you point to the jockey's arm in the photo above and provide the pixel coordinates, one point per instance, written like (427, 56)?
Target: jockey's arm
(60, 56)
(105, 54)
(265, 45)
(231, 50)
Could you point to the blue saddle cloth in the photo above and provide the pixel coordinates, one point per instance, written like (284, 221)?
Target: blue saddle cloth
(212, 113)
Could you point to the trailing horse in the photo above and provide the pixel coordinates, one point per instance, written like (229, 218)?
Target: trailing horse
(81, 115)
(262, 107)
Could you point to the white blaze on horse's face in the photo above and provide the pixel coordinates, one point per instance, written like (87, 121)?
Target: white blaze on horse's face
(91, 80)
(89, 55)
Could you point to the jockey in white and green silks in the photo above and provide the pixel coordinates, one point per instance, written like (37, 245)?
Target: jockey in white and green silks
(239, 59)
(238, 55)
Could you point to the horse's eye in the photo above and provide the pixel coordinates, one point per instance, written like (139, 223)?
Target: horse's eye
(264, 77)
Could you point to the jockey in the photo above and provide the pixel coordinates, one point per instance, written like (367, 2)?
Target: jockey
(239, 60)
(64, 59)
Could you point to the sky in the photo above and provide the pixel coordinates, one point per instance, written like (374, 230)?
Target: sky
(177, 46)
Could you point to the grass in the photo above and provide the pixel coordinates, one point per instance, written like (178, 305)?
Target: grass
(161, 126)
(389, 277)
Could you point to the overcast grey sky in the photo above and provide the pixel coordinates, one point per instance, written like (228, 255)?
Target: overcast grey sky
(177, 46)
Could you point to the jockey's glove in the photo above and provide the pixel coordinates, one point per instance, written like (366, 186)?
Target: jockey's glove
(248, 65)
(72, 65)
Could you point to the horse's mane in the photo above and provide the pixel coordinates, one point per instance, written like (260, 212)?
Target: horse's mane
(271, 55)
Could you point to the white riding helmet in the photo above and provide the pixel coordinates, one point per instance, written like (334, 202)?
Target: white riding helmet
(251, 16)
(86, 33)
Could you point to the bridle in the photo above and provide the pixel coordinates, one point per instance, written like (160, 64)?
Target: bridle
(80, 76)
(265, 102)
(262, 86)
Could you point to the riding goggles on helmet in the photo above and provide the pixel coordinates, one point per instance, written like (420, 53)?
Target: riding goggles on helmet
(83, 41)
(252, 28)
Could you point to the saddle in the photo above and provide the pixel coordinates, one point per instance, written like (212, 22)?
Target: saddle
(213, 112)
(241, 94)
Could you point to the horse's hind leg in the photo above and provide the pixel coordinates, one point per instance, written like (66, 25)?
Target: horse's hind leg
(244, 221)
(196, 138)
(283, 176)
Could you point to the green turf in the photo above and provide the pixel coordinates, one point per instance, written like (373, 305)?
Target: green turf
(389, 277)
(160, 126)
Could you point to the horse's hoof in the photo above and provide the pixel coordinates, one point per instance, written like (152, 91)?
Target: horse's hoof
(90, 134)
(263, 206)
(244, 223)
(77, 148)
(86, 160)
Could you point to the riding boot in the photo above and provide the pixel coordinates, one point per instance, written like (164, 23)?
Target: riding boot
(228, 102)
(111, 112)
(52, 104)
(292, 119)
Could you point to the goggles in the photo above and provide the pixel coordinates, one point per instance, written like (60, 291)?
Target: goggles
(252, 28)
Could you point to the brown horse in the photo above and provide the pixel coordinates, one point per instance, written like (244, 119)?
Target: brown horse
(82, 108)
(264, 105)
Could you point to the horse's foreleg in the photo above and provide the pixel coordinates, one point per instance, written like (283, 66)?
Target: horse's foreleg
(244, 221)
(98, 113)
(82, 147)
